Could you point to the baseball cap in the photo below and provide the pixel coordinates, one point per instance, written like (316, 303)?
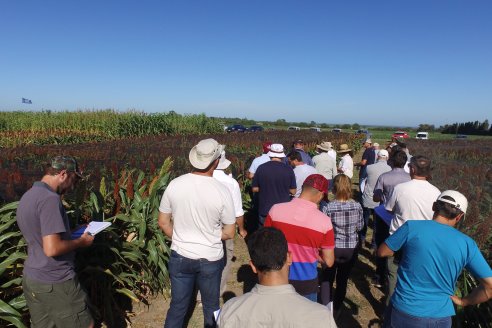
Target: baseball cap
(317, 181)
(298, 141)
(204, 153)
(67, 163)
(454, 198)
(383, 153)
(266, 146)
(368, 140)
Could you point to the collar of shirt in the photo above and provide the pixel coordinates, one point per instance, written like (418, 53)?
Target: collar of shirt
(304, 203)
(280, 289)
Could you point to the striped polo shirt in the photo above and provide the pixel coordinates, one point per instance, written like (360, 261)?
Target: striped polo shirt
(307, 230)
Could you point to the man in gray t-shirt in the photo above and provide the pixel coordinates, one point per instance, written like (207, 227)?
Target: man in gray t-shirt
(49, 269)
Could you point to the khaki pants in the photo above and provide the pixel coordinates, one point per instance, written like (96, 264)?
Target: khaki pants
(59, 305)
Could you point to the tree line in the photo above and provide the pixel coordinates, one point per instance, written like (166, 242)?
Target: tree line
(472, 128)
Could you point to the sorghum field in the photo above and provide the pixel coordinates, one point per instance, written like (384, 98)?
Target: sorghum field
(131, 157)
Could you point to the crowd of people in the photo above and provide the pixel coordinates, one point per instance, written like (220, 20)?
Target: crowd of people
(303, 242)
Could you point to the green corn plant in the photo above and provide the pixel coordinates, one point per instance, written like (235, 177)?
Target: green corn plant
(12, 256)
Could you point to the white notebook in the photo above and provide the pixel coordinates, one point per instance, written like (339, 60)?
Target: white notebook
(93, 228)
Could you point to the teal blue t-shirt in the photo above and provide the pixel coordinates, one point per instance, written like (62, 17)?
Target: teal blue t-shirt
(434, 255)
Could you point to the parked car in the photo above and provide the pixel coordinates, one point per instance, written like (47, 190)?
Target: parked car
(461, 136)
(364, 133)
(294, 128)
(255, 128)
(422, 135)
(314, 129)
(236, 128)
(400, 134)
(336, 130)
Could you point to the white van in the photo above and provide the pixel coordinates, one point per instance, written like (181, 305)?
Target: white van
(315, 129)
(422, 135)
(294, 128)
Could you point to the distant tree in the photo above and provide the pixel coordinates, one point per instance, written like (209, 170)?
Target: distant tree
(313, 123)
(281, 121)
(426, 127)
(346, 126)
(355, 126)
(485, 126)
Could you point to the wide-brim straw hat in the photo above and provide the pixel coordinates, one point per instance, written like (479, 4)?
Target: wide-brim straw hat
(204, 153)
(325, 145)
(223, 162)
(344, 148)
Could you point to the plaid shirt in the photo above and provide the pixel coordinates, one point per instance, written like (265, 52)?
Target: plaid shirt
(347, 221)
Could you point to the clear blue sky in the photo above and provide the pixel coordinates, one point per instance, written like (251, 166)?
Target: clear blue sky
(390, 62)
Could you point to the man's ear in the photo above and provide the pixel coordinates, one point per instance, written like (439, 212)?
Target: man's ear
(253, 267)
(289, 259)
(459, 216)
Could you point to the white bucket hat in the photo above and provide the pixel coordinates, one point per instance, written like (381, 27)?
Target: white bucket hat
(223, 162)
(276, 150)
(204, 153)
(454, 198)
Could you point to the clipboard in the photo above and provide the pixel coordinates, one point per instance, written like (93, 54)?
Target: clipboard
(93, 228)
(384, 214)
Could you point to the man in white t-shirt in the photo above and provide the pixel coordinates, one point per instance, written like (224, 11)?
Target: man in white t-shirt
(410, 200)
(235, 192)
(259, 160)
(197, 212)
(301, 169)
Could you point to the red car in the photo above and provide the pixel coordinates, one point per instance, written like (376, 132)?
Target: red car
(400, 134)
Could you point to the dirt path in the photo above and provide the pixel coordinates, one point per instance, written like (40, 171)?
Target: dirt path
(361, 305)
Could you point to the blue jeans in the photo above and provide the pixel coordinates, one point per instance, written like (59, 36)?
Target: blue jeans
(397, 319)
(312, 297)
(185, 273)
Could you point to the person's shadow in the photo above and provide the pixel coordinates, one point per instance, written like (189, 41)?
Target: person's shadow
(246, 275)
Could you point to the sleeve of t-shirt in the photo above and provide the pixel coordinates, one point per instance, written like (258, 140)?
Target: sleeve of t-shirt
(238, 202)
(165, 205)
(50, 215)
(476, 263)
(391, 202)
(378, 188)
(396, 241)
(227, 216)
(252, 167)
(365, 155)
(328, 240)
(268, 221)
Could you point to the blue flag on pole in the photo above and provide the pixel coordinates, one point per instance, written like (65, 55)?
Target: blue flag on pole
(26, 101)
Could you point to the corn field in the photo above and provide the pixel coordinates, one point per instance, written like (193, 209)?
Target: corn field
(46, 128)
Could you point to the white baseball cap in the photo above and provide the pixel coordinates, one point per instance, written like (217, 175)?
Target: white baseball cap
(383, 153)
(454, 198)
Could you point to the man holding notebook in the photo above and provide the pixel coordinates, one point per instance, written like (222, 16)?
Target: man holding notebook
(53, 293)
